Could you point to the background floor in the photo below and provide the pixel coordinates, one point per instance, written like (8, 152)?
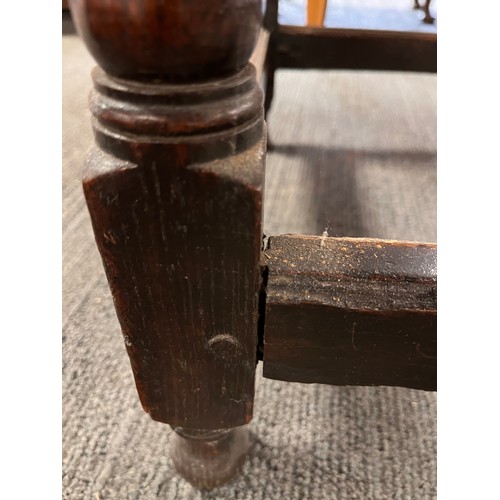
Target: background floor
(355, 153)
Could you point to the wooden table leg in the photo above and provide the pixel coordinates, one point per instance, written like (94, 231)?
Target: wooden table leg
(428, 19)
(316, 12)
(271, 25)
(174, 190)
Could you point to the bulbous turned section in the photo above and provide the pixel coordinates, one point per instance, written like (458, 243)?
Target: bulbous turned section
(208, 459)
(173, 40)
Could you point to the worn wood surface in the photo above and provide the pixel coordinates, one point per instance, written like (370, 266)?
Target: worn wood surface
(174, 190)
(210, 458)
(349, 311)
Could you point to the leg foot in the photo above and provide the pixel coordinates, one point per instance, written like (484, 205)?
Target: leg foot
(208, 459)
(428, 19)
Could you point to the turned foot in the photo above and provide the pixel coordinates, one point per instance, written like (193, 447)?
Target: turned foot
(428, 19)
(208, 459)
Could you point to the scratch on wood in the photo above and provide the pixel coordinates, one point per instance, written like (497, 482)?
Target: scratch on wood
(109, 237)
(352, 336)
(159, 199)
(422, 354)
(324, 236)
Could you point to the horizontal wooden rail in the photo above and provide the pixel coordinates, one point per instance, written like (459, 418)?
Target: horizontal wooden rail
(348, 311)
(338, 48)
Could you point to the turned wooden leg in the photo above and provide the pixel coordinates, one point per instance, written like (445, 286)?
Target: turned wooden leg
(174, 190)
(428, 19)
(316, 12)
(271, 25)
(209, 458)
(270, 71)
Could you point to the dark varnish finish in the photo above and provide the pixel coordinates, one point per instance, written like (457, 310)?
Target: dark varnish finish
(175, 40)
(347, 311)
(175, 196)
(174, 190)
(343, 48)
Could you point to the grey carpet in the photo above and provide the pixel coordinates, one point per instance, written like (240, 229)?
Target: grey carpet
(355, 154)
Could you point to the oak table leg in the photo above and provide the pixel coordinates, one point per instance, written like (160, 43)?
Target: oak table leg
(174, 190)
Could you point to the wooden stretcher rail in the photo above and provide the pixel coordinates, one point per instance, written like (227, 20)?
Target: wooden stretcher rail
(347, 311)
(337, 48)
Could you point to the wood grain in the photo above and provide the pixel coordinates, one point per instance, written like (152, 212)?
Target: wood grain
(177, 219)
(174, 190)
(349, 311)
